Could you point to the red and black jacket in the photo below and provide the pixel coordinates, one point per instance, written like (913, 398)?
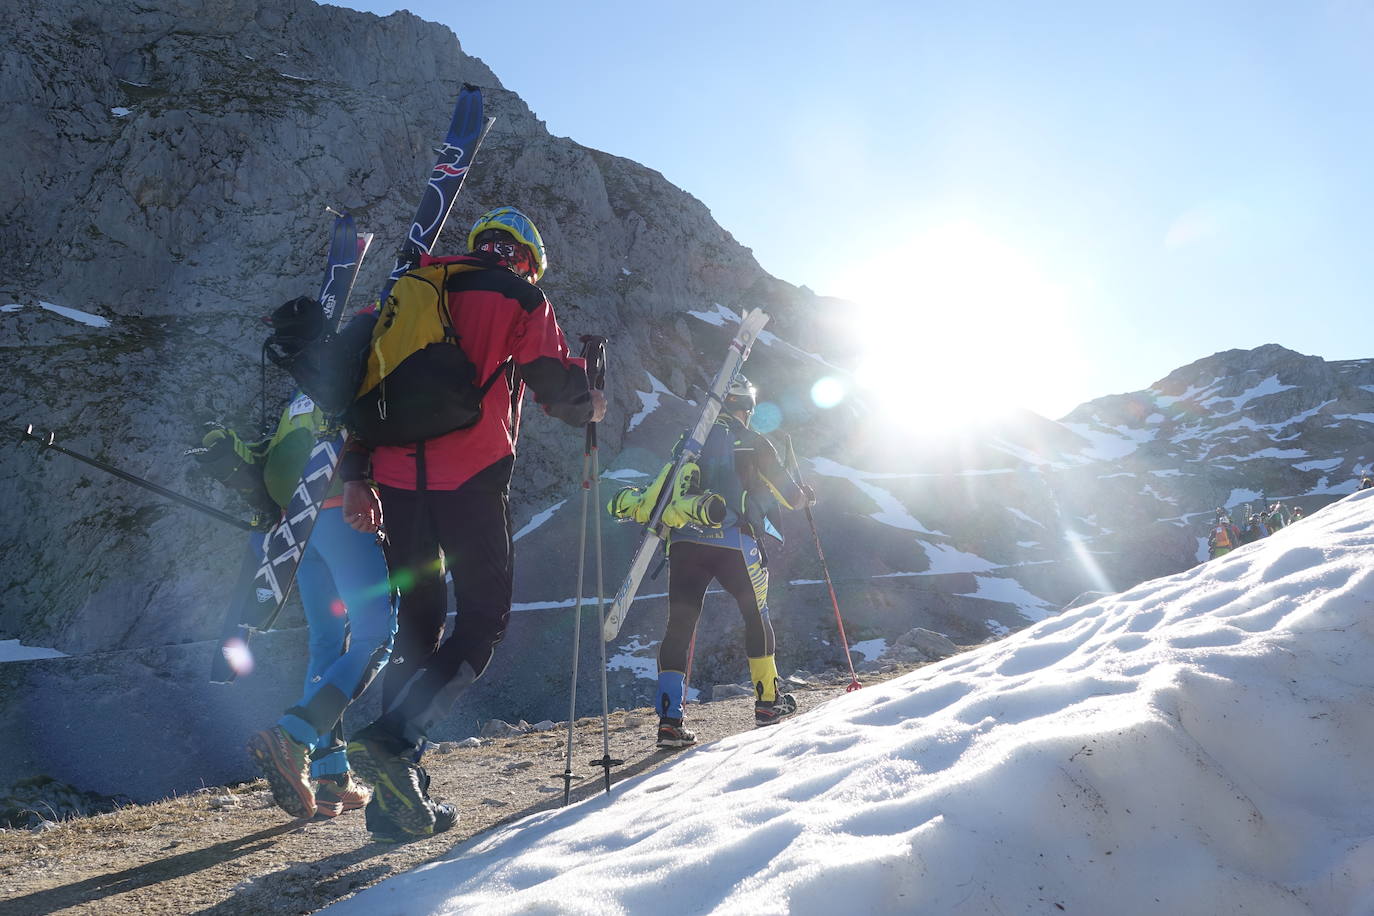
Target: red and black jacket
(498, 317)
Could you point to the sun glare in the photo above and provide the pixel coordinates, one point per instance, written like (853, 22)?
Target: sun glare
(957, 326)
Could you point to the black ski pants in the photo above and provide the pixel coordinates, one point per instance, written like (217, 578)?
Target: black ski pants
(466, 531)
(691, 567)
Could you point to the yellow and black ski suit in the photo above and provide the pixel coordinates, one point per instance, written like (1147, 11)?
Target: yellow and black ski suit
(743, 467)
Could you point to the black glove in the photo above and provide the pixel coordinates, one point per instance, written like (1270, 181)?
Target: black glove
(227, 458)
(295, 323)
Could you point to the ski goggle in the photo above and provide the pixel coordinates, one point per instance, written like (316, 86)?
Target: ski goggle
(515, 255)
(517, 225)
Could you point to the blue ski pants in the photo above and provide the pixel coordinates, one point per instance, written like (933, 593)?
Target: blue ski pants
(352, 619)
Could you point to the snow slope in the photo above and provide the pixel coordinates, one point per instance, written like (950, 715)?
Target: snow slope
(1200, 744)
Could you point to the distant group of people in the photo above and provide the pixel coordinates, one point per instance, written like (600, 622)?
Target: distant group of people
(1226, 536)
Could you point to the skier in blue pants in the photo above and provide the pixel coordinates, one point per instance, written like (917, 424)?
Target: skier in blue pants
(348, 606)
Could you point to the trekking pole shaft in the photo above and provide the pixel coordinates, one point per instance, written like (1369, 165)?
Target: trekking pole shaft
(577, 626)
(825, 568)
(138, 481)
(601, 612)
(594, 352)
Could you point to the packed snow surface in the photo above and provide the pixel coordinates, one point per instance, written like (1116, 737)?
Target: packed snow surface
(1200, 744)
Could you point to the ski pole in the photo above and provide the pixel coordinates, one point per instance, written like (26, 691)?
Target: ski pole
(593, 351)
(687, 675)
(50, 441)
(595, 348)
(825, 570)
(577, 611)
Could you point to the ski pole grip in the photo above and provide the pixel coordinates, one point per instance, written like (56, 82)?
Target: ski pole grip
(594, 352)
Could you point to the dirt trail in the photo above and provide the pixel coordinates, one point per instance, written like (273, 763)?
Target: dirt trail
(231, 851)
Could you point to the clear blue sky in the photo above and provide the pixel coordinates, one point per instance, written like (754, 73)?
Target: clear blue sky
(1077, 197)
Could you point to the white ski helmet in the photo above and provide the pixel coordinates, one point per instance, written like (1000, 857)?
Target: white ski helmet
(741, 395)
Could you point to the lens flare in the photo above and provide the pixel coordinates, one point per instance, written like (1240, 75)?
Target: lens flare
(337, 608)
(767, 417)
(238, 655)
(829, 392)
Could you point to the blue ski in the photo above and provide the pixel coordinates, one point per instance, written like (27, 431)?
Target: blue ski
(252, 603)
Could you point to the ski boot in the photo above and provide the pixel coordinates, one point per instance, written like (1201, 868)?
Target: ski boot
(672, 734)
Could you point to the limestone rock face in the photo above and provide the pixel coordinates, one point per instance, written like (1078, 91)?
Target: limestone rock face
(169, 170)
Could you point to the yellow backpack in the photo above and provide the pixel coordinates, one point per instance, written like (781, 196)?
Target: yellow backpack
(418, 383)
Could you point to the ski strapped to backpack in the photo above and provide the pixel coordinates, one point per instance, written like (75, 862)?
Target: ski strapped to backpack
(346, 252)
(287, 541)
(655, 532)
(304, 330)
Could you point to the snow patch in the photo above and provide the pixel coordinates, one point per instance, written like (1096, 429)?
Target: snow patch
(1024, 454)
(1108, 443)
(1242, 496)
(539, 519)
(945, 559)
(86, 318)
(1262, 453)
(1009, 591)
(624, 474)
(630, 657)
(1324, 486)
(1270, 385)
(648, 400)
(121, 112)
(1024, 517)
(12, 650)
(720, 316)
(869, 648)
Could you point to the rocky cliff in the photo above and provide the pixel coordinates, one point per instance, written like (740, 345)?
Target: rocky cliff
(172, 168)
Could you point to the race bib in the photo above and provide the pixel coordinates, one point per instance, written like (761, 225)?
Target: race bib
(300, 405)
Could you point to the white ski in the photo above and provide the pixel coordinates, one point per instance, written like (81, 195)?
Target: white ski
(655, 533)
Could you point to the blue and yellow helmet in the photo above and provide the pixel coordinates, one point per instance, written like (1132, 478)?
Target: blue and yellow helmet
(511, 220)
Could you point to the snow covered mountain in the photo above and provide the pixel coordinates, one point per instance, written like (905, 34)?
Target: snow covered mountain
(984, 530)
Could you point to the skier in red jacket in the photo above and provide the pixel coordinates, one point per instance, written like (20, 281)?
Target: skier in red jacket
(449, 494)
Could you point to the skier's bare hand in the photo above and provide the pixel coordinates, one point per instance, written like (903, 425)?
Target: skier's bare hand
(361, 507)
(598, 405)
